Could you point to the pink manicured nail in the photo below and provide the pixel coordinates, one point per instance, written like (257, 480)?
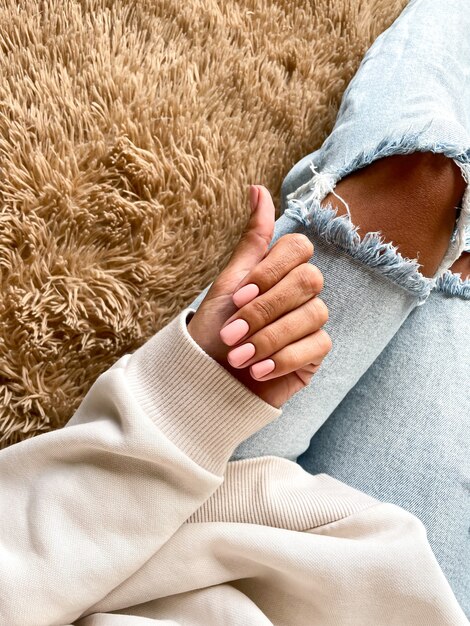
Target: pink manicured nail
(245, 294)
(254, 197)
(234, 332)
(262, 368)
(240, 355)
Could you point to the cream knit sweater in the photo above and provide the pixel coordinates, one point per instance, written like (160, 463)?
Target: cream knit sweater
(132, 515)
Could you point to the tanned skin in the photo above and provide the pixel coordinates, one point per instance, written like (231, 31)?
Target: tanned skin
(411, 200)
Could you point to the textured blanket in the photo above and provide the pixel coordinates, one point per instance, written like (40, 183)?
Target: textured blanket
(129, 133)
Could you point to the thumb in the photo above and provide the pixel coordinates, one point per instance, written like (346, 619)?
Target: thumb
(255, 240)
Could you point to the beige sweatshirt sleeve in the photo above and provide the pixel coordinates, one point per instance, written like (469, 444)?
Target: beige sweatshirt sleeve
(83, 508)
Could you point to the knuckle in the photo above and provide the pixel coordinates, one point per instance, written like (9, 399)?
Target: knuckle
(294, 355)
(317, 279)
(263, 310)
(270, 275)
(256, 239)
(309, 277)
(300, 243)
(324, 342)
(267, 340)
(321, 311)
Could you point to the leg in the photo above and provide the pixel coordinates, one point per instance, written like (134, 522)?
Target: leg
(402, 433)
(412, 198)
(409, 95)
(404, 99)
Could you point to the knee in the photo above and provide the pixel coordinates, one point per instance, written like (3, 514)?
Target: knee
(411, 199)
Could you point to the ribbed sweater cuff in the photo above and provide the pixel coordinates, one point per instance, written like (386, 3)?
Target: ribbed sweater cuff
(192, 399)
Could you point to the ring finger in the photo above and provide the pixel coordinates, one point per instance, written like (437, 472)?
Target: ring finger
(307, 352)
(304, 320)
(299, 286)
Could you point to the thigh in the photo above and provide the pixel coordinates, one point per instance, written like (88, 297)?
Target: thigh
(402, 433)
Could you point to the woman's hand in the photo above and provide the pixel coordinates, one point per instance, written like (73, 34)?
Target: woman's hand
(262, 317)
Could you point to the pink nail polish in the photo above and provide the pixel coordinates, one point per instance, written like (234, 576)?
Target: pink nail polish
(262, 368)
(241, 355)
(232, 333)
(245, 294)
(254, 197)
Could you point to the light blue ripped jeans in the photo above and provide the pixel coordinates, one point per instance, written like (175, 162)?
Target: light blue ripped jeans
(388, 411)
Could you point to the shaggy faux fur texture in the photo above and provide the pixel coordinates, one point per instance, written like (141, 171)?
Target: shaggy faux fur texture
(129, 132)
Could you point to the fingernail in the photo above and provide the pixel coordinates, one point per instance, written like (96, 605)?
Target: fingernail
(245, 294)
(262, 368)
(234, 332)
(240, 355)
(254, 197)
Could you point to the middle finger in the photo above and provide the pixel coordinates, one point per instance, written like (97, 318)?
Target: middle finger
(303, 321)
(300, 285)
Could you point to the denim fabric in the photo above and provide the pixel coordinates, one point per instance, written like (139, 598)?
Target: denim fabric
(396, 381)
(411, 93)
(366, 309)
(402, 434)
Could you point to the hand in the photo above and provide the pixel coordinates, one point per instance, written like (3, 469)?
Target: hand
(277, 317)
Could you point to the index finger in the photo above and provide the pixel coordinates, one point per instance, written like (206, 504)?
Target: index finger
(288, 252)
